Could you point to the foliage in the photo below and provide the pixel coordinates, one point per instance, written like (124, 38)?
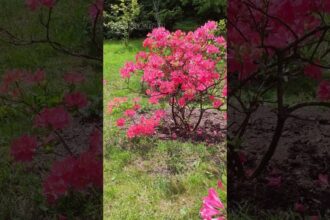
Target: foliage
(187, 71)
(120, 21)
(171, 14)
(208, 7)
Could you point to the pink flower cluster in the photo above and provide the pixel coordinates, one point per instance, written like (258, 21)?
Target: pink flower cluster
(262, 28)
(213, 208)
(180, 64)
(23, 148)
(35, 4)
(139, 126)
(11, 79)
(75, 100)
(54, 118)
(75, 173)
(146, 126)
(96, 9)
(324, 90)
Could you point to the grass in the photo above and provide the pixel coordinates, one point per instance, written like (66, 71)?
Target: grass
(152, 179)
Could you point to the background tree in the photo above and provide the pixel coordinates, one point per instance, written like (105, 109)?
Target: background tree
(171, 14)
(122, 17)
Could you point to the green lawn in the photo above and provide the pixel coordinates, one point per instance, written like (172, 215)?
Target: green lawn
(153, 179)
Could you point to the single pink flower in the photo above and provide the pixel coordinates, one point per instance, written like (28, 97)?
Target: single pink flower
(220, 185)
(129, 113)
(136, 107)
(211, 49)
(313, 71)
(121, 122)
(75, 100)
(158, 114)
(23, 148)
(324, 91)
(212, 206)
(182, 102)
(127, 70)
(217, 103)
(54, 118)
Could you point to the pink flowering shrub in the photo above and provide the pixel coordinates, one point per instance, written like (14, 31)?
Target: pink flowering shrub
(213, 208)
(291, 21)
(275, 44)
(135, 125)
(185, 70)
(73, 171)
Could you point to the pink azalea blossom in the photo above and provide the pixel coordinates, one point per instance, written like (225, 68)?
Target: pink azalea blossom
(212, 207)
(54, 118)
(73, 173)
(217, 103)
(121, 122)
(75, 100)
(145, 126)
(23, 148)
(313, 71)
(127, 70)
(129, 113)
(324, 90)
(211, 49)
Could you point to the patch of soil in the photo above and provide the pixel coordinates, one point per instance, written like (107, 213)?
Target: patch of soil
(211, 130)
(301, 163)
